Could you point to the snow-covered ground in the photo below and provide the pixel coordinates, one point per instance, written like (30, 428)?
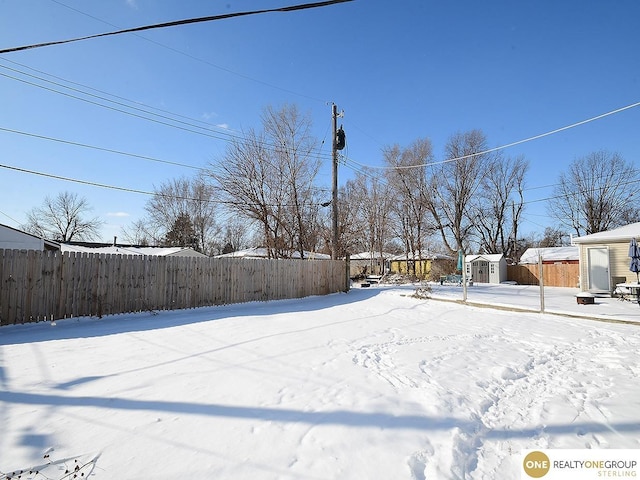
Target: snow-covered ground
(555, 300)
(370, 384)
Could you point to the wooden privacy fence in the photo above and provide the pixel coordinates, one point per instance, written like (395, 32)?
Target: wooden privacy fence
(36, 285)
(554, 274)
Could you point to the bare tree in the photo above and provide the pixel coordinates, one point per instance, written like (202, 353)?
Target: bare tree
(351, 224)
(295, 156)
(247, 182)
(268, 178)
(411, 187)
(62, 218)
(139, 233)
(183, 198)
(233, 237)
(553, 237)
(498, 207)
(369, 207)
(594, 194)
(455, 183)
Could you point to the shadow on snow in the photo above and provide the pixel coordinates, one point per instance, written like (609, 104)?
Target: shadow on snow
(333, 417)
(87, 327)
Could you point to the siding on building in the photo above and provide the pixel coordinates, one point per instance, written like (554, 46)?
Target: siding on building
(618, 263)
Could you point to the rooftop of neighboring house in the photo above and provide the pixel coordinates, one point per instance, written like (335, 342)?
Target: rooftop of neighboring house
(261, 252)
(87, 247)
(550, 254)
(371, 256)
(424, 255)
(625, 233)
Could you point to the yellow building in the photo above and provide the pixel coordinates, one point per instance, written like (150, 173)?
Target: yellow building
(427, 266)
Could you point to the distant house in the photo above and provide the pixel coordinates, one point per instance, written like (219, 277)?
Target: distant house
(131, 250)
(369, 263)
(604, 259)
(555, 255)
(486, 268)
(14, 239)
(261, 252)
(422, 265)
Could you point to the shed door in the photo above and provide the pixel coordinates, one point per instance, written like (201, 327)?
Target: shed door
(598, 269)
(480, 271)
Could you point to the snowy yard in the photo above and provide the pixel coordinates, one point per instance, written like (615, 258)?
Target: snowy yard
(373, 384)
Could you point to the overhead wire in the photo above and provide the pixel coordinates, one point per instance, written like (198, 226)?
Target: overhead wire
(134, 190)
(102, 149)
(569, 194)
(147, 193)
(198, 59)
(108, 150)
(359, 170)
(508, 145)
(165, 118)
(136, 104)
(205, 132)
(365, 170)
(10, 217)
(348, 162)
(176, 23)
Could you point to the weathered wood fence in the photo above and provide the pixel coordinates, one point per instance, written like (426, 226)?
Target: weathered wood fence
(554, 274)
(36, 285)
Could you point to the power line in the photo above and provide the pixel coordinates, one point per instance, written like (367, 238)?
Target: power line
(102, 149)
(136, 191)
(581, 192)
(10, 217)
(165, 118)
(177, 23)
(508, 145)
(363, 170)
(198, 59)
(160, 118)
(108, 150)
(365, 173)
(75, 180)
(130, 103)
(227, 202)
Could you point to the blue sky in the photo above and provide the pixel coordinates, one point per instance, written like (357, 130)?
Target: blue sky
(399, 70)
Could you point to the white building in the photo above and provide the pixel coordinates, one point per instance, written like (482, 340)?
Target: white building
(14, 239)
(486, 268)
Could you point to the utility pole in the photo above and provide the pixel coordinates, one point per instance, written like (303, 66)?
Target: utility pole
(334, 190)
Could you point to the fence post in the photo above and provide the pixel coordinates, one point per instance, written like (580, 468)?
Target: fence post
(347, 273)
(541, 272)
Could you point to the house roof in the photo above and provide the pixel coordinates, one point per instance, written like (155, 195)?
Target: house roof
(625, 233)
(425, 255)
(261, 252)
(119, 250)
(550, 254)
(370, 255)
(489, 257)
